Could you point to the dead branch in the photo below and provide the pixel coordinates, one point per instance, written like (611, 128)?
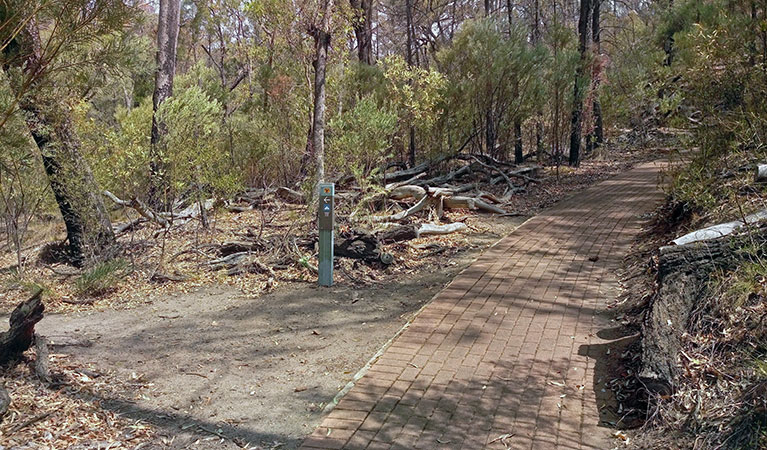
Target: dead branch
(404, 214)
(143, 210)
(495, 169)
(289, 195)
(132, 225)
(458, 202)
(432, 229)
(407, 191)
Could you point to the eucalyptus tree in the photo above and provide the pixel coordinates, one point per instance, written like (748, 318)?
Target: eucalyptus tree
(45, 44)
(167, 40)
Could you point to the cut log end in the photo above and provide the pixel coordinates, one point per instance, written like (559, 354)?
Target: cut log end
(761, 173)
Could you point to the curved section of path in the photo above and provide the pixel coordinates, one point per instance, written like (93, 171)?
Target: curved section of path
(507, 356)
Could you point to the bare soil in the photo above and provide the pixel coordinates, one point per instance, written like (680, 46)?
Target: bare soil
(255, 371)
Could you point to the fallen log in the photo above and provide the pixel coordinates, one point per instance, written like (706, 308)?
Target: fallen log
(227, 248)
(722, 229)
(520, 173)
(130, 226)
(21, 333)
(412, 231)
(447, 178)
(392, 186)
(408, 191)
(406, 213)
(290, 195)
(190, 212)
(496, 169)
(683, 272)
(458, 202)
(398, 234)
(238, 263)
(431, 229)
(251, 264)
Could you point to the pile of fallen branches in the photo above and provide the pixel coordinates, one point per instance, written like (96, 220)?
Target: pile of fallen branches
(410, 203)
(419, 201)
(163, 219)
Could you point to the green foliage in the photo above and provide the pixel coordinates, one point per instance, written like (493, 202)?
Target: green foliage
(191, 149)
(101, 278)
(414, 94)
(630, 91)
(491, 74)
(360, 138)
(118, 155)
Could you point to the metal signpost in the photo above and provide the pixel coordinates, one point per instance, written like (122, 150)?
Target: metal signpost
(325, 225)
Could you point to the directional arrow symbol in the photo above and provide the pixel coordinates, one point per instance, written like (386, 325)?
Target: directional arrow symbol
(326, 199)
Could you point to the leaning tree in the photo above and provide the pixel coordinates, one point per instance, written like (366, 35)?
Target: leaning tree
(40, 43)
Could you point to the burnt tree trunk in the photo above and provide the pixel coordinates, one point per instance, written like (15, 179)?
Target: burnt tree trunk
(89, 230)
(20, 335)
(359, 244)
(167, 39)
(584, 22)
(398, 234)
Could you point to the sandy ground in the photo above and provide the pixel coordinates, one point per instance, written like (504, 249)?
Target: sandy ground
(221, 370)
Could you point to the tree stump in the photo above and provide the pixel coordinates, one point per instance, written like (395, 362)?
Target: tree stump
(20, 335)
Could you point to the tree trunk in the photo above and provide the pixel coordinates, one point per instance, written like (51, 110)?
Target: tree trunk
(490, 133)
(322, 44)
(597, 136)
(536, 38)
(519, 157)
(167, 39)
(584, 22)
(89, 230)
(363, 29)
(409, 52)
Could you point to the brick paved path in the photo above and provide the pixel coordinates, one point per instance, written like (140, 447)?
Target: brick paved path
(510, 346)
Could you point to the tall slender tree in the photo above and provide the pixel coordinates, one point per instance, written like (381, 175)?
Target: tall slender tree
(409, 59)
(167, 40)
(518, 149)
(321, 35)
(596, 137)
(576, 123)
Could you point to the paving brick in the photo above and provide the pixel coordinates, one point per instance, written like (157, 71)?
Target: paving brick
(480, 359)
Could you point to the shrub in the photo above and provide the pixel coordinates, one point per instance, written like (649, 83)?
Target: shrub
(101, 278)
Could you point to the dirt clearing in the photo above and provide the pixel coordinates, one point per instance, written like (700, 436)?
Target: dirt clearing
(216, 364)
